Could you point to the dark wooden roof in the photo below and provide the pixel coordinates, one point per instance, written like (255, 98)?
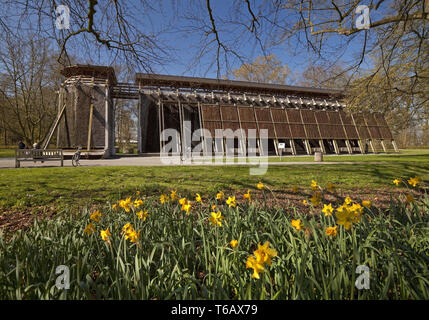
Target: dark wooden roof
(158, 80)
(90, 71)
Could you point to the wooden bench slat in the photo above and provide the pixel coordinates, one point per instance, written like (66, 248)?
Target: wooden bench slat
(38, 155)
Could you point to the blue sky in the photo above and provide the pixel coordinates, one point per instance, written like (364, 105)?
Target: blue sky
(185, 43)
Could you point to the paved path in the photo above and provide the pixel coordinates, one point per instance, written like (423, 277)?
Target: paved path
(153, 161)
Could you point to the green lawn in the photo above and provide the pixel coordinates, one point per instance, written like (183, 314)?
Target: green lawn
(413, 155)
(29, 187)
(121, 254)
(7, 152)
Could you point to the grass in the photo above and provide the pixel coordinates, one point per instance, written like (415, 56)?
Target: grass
(181, 256)
(62, 187)
(406, 155)
(7, 152)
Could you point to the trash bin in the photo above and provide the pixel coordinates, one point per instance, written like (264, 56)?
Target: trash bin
(318, 156)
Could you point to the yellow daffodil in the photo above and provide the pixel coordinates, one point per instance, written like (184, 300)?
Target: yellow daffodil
(127, 227)
(297, 224)
(348, 200)
(96, 216)
(316, 198)
(173, 195)
(260, 185)
(198, 198)
(220, 196)
(345, 217)
(247, 195)
(256, 266)
(397, 181)
(327, 210)
(90, 228)
(305, 202)
(114, 206)
(410, 198)
(213, 207)
(331, 231)
(357, 209)
(231, 201)
(264, 253)
(186, 207)
(414, 181)
(125, 204)
(142, 215)
(163, 198)
(183, 201)
(233, 243)
(313, 185)
(330, 187)
(138, 203)
(366, 203)
(132, 235)
(216, 218)
(105, 234)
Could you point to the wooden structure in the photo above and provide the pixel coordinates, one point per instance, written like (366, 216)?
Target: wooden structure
(306, 120)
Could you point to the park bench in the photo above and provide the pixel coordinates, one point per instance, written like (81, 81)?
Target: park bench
(38, 155)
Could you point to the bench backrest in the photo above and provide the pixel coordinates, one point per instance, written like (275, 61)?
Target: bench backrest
(30, 153)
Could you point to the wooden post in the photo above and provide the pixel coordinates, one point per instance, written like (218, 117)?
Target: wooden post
(160, 124)
(276, 140)
(395, 146)
(322, 146)
(371, 144)
(108, 147)
(337, 150)
(139, 126)
(383, 146)
(91, 110)
(361, 146)
(307, 146)
(292, 146)
(60, 103)
(349, 147)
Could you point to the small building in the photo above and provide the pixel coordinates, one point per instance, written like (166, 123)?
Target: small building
(301, 119)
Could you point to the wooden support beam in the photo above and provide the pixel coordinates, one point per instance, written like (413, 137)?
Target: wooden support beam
(108, 125)
(242, 133)
(60, 104)
(322, 146)
(91, 111)
(349, 147)
(371, 144)
(292, 146)
(395, 146)
(307, 146)
(337, 150)
(143, 113)
(383, 146)
(160, 124)
(54, 127)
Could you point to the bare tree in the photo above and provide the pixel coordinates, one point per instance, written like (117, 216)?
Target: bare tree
(28, 88)
(119, 30)
(265, 69)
